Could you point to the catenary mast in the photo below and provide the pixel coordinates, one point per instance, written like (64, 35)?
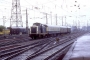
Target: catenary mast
(16, 17)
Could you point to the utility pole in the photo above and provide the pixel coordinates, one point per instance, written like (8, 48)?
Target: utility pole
(4, 20)
(46, 19)
(78, 24)
(73, 23)
(4, 24)
(56, 19)
(51, 18)
(62, 20)
(87, 25)
(26, 21)
(65, 21)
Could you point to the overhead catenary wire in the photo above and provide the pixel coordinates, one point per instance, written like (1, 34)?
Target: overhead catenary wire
(49, 7)
(62, 8)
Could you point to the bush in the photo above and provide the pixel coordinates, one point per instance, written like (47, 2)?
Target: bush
(1, 28)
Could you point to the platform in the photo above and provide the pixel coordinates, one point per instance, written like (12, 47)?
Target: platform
(80, 50)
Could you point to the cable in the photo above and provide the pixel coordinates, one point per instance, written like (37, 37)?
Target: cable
(61, 8)
(32, 7)
(35, 9)
(54, 4)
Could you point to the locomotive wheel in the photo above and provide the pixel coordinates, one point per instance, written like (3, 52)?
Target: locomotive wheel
(35, 37)
(32, 37)
(41, 36)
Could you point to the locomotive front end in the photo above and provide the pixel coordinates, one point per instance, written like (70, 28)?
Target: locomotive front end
(38, 30)
(33, 32)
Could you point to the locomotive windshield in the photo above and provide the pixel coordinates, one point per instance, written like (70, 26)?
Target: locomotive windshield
(33, 29)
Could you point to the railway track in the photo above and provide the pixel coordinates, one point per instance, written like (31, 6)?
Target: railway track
(13, 40)
(19, 49)
(34, 49)
(52, 49)
(12, 36)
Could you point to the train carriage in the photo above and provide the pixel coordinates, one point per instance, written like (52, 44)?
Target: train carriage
(68, 30)
(18, 30)
(53, 30)
(63, 30)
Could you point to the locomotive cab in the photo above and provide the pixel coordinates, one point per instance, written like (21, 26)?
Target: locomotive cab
(37, 30)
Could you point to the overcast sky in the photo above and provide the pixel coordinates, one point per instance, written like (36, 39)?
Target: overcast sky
(62, 8)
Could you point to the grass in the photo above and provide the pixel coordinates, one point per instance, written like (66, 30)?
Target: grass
(4, 31)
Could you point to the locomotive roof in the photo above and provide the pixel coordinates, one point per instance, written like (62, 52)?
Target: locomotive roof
(39, 24)
(56, 26)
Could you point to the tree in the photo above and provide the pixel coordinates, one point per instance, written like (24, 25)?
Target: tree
(1, 28)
